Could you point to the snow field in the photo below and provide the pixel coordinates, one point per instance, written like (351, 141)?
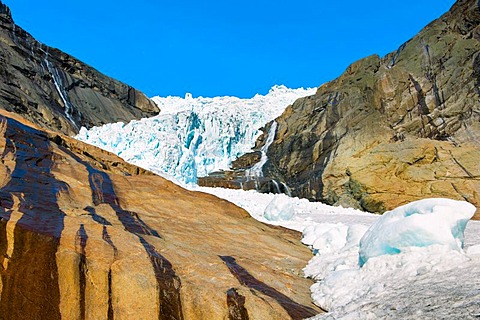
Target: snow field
(422, 281)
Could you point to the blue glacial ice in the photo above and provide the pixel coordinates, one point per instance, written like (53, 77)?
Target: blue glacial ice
(192, 137)
(417, 224)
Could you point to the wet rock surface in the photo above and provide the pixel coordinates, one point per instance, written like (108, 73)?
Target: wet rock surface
(84, 235)
(57, 91)
(394, 129)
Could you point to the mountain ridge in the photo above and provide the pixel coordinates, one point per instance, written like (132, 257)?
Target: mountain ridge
(360, 140)
(57, 91)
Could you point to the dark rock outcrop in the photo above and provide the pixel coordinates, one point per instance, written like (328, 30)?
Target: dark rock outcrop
(393, 129)
(84, 235)
(5, 11)
(57, 91)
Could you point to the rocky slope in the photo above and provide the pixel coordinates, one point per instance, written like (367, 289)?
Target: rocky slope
(84, 235)
(393, 129)
(57, 91)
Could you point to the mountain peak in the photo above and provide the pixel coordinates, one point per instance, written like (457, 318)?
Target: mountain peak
(5, 11)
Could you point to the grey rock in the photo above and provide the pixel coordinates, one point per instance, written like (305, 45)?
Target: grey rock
(56, 91)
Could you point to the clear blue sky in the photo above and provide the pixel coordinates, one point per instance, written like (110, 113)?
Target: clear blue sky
(209, 48)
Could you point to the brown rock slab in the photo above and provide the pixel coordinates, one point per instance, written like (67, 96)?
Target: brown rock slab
(85, 236)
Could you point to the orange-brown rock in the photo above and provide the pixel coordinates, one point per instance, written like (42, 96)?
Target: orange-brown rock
(85, 236)
(406, 171)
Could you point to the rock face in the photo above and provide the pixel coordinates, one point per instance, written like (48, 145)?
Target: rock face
(55, 90)
(394, 129)
(84, 235)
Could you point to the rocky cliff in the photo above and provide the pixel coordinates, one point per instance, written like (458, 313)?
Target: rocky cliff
(393, 129)
(84, 235)
(57, 91)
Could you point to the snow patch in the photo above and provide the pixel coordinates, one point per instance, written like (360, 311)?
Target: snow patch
(280, 208)
(427, 238)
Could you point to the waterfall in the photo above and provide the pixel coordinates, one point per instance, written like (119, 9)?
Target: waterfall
(287, 189)
(57, 80)
(257, 169)
(276, 186)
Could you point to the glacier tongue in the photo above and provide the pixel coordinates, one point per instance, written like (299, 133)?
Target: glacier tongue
(192, 137)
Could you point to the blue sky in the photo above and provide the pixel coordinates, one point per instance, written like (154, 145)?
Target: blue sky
(212, 48)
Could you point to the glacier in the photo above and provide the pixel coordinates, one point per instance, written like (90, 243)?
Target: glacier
(192, 137)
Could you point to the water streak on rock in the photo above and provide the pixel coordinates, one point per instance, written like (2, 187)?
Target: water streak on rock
(23, 291)
(295, 310)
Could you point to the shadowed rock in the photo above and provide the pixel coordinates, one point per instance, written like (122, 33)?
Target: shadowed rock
(81, 243)
(236, 305)
(295, 310)
(29, 197)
